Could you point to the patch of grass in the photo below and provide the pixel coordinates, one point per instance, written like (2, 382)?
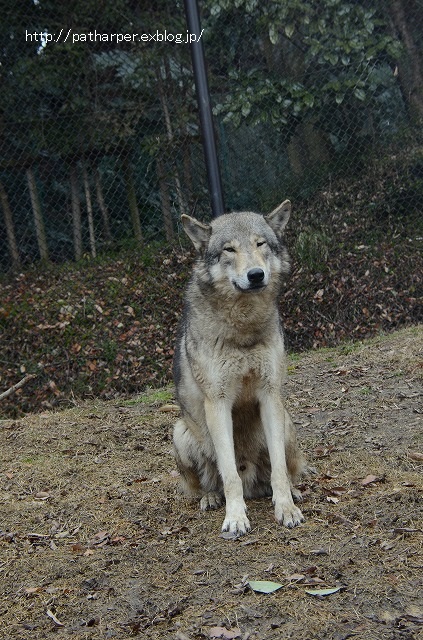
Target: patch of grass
(38, 460)
(349, 347)
(366, 391)
(294, 357)
(397, 374)
(312, 248)
(159, 396)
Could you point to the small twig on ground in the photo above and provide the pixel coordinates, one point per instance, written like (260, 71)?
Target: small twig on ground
(18, 385)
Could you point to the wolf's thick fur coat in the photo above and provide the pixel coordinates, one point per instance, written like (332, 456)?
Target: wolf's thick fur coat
(235, 439)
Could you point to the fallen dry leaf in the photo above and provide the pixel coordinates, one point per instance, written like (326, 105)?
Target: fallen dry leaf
(167, 408)
(370, 479)
(62, 534)
(323, 452)
(387, 545)
(319, 294)
(296, 577)
(31, 590)
(222, 632)
(334, 491)
(53, 617)
(42, 495)
(403, 530)
(100, 539)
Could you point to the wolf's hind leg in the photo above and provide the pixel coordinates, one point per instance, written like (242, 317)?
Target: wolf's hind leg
(211, 500)
(198, 475)
(295, 461)
(182, 449)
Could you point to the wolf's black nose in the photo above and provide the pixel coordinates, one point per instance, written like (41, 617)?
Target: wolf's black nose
(255, 275)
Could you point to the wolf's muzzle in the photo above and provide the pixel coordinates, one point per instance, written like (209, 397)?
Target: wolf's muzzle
(255, 276)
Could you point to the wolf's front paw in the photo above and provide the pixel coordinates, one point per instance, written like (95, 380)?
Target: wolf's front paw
(288, 514)
(236, 521)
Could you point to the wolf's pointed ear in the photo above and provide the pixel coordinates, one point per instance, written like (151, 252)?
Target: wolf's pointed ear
(279, 217)
(198, 232)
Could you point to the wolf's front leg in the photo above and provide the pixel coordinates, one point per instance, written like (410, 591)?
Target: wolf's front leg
(273, 416)
(219, 423)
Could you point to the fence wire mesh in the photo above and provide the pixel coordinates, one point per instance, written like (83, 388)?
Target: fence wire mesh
(100, 139)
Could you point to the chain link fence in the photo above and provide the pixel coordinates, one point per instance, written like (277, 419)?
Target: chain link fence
(100, 139)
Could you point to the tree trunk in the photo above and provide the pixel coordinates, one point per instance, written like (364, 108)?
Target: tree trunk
(165, 199)
(132, 200)
(10, 230)
(410, 70)
(38, 216)
(188, 175)
(169, 133)
(76, 213)
(102, 205)
(89, 211)
(307, 149)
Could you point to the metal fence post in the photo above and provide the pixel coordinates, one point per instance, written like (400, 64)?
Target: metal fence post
(204, 106)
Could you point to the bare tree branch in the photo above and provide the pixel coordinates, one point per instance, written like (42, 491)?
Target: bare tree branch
(16, 386)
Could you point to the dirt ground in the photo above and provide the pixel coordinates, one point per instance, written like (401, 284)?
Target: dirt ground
(96, 542)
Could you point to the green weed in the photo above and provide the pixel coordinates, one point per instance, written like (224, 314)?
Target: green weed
(312, 248)
(160, 396)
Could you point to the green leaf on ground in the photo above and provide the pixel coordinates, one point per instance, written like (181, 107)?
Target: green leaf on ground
(323, 592)
(264, 586)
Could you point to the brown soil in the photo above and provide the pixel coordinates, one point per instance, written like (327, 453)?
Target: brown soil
(96, 542)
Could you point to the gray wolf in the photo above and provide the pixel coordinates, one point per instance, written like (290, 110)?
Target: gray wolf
(235, 439)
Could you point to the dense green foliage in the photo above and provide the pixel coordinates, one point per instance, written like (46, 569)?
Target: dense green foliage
(301, 91)
(307, 59)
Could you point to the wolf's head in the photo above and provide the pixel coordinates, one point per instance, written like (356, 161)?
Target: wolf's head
(242, 251)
